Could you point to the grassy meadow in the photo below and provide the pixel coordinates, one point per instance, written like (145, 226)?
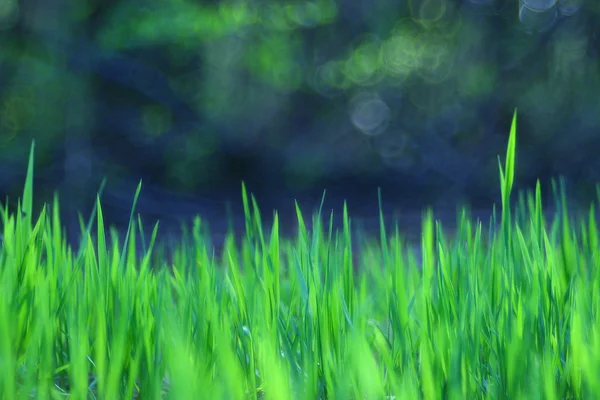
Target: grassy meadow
(508, 309)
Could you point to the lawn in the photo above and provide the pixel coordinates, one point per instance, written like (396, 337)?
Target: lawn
(505, 309)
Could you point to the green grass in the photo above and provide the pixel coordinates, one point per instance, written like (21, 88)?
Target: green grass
(508, 311)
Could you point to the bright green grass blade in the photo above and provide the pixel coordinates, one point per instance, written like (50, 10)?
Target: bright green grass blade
(27, 202)
(8, 362)
(593, 241)
(428, 251)
(509, 171)
(382, 230)
(257, 222)
(60, 252)
(131, 257)
(316, 249)
(247, 213)
(348, 265)
(302, 281)
(78, 346)
(425, 352)
(238, 295)
(119, 350)
(88, 228)
(129, 226)
(568, 245)
(303, 275)
(140, 227)
(101, 238)
(274, 275)
(538, 213)
(275, 371)
(507, 174)
(148, 252)
(229, 365)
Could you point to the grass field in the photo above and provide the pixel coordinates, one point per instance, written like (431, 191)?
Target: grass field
(509, 310)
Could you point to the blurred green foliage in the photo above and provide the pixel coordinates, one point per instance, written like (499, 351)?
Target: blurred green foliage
(413, 86)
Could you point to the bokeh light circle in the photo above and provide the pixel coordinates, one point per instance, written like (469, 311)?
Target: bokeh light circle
(369, 114)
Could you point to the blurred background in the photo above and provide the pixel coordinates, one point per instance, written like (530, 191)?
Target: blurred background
(294, 97)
